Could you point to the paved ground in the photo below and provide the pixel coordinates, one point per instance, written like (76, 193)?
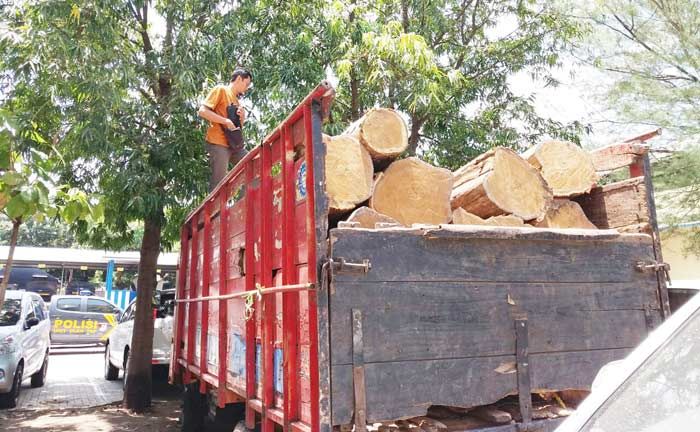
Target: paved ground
(75, 380)
(77, 398)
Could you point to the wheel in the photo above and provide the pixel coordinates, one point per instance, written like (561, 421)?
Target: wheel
(194, 408)
(39, 378)
(9, 400)
(228, 417)
(126, 364)
(111, 371)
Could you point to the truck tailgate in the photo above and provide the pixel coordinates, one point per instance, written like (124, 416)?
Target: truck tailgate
(437, 313)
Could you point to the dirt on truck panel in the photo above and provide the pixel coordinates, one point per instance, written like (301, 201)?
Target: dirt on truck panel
(287, 318)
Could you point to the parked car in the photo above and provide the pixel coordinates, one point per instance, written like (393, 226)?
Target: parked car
(654, 389)
(79, 287)
(32, 279)
(82, 319)
(117, 349)
(24, 344)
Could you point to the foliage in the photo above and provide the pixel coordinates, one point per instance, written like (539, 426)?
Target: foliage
(650, 49)
(446, 65)
(48, 233)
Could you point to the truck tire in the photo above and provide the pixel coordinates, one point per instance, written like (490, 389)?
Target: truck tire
(194, 408)
(39, 378)
(227, 418)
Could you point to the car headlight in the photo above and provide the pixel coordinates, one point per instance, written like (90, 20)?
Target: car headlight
(8, 345)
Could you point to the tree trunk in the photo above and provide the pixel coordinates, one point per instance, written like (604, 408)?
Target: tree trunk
(137, 391)
(382, 132)
(10, 256)
(501, 182)
(567, 168)
(414, 137)
(366, 217)
(565, 214)
(412, 191)
(463, 217)
(349, 173)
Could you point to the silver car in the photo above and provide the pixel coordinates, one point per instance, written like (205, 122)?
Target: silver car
(24, 344)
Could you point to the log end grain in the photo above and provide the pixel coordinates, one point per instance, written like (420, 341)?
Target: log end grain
(567, 168)
(412, 191)
(565, 214)
(366, 217)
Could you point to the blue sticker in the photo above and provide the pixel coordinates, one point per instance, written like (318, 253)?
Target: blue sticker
(279, 381)
(237, 354)
(258, 356)
(301, 181)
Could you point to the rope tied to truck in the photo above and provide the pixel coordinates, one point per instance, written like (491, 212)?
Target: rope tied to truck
(250, 296)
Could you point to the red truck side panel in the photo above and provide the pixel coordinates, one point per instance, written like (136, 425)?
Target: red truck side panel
(255, 231)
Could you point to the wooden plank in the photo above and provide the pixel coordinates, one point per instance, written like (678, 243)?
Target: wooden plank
(419, 321)
(617, 156)
(407, 256)
(616, 205)
(407, 389)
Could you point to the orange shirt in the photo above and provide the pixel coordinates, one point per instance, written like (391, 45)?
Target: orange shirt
(218, 100)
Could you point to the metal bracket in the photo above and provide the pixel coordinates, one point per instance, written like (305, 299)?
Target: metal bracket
(340, 265)
(358, 372)
(523, 368)
(654, 266)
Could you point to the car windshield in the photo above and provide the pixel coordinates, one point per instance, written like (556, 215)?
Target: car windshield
(663, 394)
(9, 314)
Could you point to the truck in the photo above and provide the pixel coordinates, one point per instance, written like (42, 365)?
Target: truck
(289, 320)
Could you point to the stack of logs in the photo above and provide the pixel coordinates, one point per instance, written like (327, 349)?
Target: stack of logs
(498, 188)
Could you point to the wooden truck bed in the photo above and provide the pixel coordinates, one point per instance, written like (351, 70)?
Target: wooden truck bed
(439, 311)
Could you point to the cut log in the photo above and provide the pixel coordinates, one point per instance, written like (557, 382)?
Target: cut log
(412, 191)
(366, 217)
(501, 182)
(463, 217)
(383, 132)
(349, 173)
(567, 168)
(565, 214)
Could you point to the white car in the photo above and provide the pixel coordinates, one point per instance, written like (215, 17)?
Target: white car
(24, 344)
(656, 388)
(117, 348)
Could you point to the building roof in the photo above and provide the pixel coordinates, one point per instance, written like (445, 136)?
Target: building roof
(76, 258)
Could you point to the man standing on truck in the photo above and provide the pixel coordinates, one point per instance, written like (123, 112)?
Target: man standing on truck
(224, 139)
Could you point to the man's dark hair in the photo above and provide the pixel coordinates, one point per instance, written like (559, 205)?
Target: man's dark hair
(241, 72)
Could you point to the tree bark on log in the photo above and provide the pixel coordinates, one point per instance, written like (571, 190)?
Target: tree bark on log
(349, 173)
(463, 217)
(567, 168)
(412, 191)
(366, 217)
(501, 182)
(565, 214)
(383, 132)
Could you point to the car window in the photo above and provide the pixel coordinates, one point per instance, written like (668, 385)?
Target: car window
(128, 313)
(10, 312)
(662, 394)
(68, 304)
(100, 306)
(30, 311)
(39, 309)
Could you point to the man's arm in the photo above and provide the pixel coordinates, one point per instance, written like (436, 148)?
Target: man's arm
(208, 114)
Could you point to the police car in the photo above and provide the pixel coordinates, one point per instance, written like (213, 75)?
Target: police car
(82, 319)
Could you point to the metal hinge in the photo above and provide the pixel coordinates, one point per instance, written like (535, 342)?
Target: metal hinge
(340, 265)
(654, 266)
